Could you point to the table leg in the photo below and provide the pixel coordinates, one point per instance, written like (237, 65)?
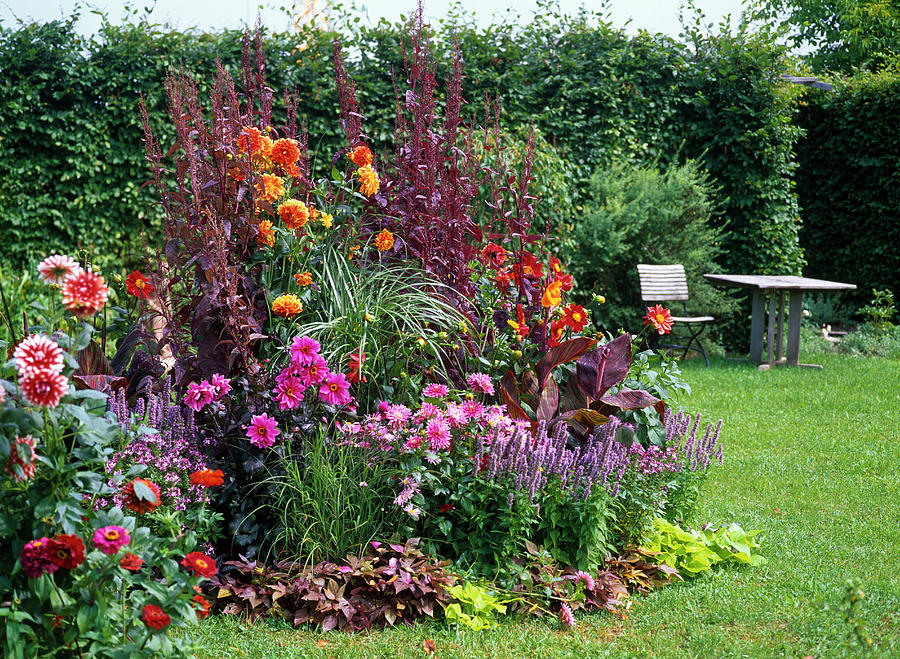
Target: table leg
(779, 339)
(795, 314)
(756, 326)
(770, 334)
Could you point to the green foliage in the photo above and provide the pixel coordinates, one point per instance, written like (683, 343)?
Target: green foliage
(880, 311)
(575, 531)
(647, 215)
(474, 606)
(732, 543)
(846, 182)
(866, 341)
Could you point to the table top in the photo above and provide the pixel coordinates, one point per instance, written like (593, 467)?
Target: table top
(784, 282)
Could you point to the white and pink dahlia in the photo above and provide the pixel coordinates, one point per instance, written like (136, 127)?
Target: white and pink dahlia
(44, 389)
(57, 268)
(85, 293)
(38, 354)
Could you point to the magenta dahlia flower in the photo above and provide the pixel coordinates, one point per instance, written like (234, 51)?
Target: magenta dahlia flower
(199, 395)
(304, 350)
(481, 383)
(335, 390)
(438, 433)
(288, 392)
(262, 431)
(435, 391)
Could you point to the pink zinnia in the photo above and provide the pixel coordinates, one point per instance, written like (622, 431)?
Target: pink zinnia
(199, 395)
(38, 354)
(335, 390)
(57, 268)
(262, 431)
(314, 372)
(397, 415)
(288, 392)
(220, 386)
(435, 391)
(111, 539)
(44, 389)
(304, 350)
(481, 383)
(84, 293)
(34, 559)
(438, 433)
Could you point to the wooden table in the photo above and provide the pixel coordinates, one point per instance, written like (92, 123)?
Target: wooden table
(775, 287)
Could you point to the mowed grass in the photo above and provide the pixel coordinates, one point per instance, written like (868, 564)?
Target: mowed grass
(812, 458)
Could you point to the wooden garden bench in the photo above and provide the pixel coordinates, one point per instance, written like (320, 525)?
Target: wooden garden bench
(664, 283)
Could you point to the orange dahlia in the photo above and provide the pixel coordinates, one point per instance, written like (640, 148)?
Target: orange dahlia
(250, 140)
(552, 295)
(84, 293)
(303, 278)
(294, 214)
(141, 495)
(287, 305)
(285, 153)
(207, 478)
(660, 318)
(361, 156)
(270, 187)
(265, 236)
(368, 180)
(384, 240)
(138, 285)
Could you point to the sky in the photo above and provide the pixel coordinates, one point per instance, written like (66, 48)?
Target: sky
(653, 15)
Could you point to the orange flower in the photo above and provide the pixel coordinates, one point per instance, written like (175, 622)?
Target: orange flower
(351, 254)
(313, 214)
(285, 153)
(552, 295)
(361, 156)
(556, 330)
(207, 478)
(270, 187)
(294, 214)
(575, 317)
(261, 157)
(236, 174)
(201, 607)
(384, 240)
(138, 285)
(368, 180)
(265, 236)
(303, 278)
(660, 318)
(287, 305)
(250, 140)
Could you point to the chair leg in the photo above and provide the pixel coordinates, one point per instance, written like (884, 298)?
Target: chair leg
(692, 340)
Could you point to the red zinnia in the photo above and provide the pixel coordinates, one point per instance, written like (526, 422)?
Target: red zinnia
(575, 317)
(660, 317)
(202, 607)
(207, 478)
(138, 285)
(84, 293)
(155, 617)
(66, 551)
(201, 564)
(141, 504)
(131, 562)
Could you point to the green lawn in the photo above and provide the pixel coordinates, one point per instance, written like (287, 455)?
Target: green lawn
(811, 457)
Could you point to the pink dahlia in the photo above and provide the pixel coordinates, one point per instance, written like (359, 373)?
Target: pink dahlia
(304, 350)
(199, 395)
(44, 389)
(57, 268)
(220, 386)
(456, 414)
(426, 411)
(335, 390)
(473, 409)
(565, 615)
(438, 433)
(435, 391)
(35, 560)
(262, 431)
(397, 415)
(27, 463)
(586, 579)
(38, 354)
(289, 392)
(111, 539)
(481, 383)
(314, 372)
(84, 293)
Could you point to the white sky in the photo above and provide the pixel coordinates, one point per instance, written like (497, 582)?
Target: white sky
(653, 15)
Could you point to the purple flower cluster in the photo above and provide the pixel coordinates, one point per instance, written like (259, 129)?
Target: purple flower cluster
(533, 461)
(171, 453)
(683, 449)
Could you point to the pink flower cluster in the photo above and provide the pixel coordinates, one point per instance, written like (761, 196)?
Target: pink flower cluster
(201, 394)
(39, 363)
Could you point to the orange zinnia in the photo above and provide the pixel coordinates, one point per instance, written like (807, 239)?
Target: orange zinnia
(294, 214)
(368, 180)
(660, 318)
(287, 305)
(270, 187)
(384, 240)
(361, 156)
(552, 295)
(207, 478)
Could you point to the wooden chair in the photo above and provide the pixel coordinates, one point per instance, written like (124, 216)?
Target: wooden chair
(663, 283)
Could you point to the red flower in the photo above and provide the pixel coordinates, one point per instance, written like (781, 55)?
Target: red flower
(131, 562)
(44, 389)
(84, 293)
(528, 266)
(575, 317)
(138, 285)
(141, 501)
(660, 317)
(361, 156)
(201, 564)
(66, 551)
(501, 279)
(155, 617)
(446, 508)
(207, 478)
(202, 607)
(556, 330)
(493, 255)
(357, 358)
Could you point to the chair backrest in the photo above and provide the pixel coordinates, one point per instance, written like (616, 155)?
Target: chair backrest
(662, 282)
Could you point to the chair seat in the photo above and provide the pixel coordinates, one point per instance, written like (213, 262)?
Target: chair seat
(693, 319)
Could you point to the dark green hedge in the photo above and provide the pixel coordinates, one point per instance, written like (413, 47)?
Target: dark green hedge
(71, 162)
(849, 183)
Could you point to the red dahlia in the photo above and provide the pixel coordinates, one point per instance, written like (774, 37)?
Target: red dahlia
(44, 388)
(201, 564)
(138, 285)
(155, 617)
(660, 318)
(38, 354)
(66, 551)
(575, 317)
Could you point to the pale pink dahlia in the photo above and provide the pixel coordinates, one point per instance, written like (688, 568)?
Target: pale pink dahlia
(438, 433)
(304, 350)
(288, 392)
(44, 389)
(435, 391)
(335, 390)
(262, 431)
(38, 354)
(397, 415)
(84, 293)
(57, 268)
(111, 539)
(481, 383)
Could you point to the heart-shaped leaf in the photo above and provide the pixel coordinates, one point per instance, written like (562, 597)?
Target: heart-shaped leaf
(604, 367)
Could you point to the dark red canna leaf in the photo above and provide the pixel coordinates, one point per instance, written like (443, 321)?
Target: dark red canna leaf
(604, 367)
(549, 401)
(630, 399)
(562, 353)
